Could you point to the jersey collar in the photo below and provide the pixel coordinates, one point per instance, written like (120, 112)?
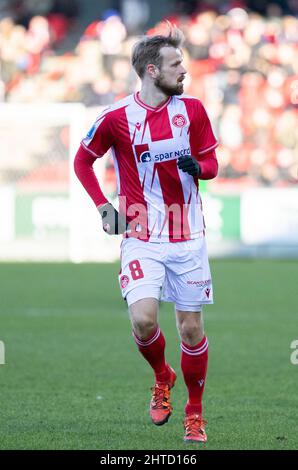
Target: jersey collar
(150, 108)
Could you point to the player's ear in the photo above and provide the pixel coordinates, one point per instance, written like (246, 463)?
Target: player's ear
(152, 70)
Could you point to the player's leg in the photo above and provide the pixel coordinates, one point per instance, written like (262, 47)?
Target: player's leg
(151, 344)
(190, 326)
(194, 362)
(142, 275)
(143, 317)
(148, 336)
(188, 284)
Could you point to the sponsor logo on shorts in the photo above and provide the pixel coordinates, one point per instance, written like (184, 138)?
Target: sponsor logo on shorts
(200, 283)
(179, 120)
(124, 280)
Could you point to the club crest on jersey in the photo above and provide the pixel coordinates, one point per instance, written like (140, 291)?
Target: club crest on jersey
(179, 120)
(124, 280)
(145, 157)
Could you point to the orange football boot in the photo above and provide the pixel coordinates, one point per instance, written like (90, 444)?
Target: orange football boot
(194, 426)
(160, 406)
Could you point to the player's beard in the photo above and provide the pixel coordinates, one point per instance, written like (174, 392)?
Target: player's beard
(169, 90)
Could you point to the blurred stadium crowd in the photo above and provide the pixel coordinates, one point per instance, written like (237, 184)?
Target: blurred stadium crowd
(243, 66)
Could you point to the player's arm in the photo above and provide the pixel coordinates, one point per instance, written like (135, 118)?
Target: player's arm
(113, 223)
(98, 140)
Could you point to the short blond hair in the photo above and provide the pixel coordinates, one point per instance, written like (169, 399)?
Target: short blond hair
(147, 49)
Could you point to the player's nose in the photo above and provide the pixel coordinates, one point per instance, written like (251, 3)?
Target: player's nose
(183, 70)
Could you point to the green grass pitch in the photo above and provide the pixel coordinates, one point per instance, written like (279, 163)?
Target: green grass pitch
(73, 378)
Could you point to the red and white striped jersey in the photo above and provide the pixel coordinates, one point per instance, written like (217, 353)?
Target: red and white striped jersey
(163, 201)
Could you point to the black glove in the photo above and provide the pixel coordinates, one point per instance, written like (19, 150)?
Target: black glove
(189, 165)
(113, 223)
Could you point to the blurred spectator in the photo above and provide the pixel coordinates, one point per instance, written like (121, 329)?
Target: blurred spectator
(97, 93)
(135, 14)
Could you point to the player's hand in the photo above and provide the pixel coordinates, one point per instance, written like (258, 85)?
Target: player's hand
(113, 223)
(189, 165)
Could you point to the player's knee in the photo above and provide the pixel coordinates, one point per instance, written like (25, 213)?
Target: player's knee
(191, 331)
(144, 317)
(144, 327)
(144, 323)
(192, 337)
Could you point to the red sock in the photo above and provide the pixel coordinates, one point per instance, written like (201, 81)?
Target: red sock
(194, 361)
(153, 350)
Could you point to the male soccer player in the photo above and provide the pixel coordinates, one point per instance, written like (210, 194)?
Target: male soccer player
(162, 144)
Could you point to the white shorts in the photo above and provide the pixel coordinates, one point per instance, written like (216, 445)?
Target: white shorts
(172, 272)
